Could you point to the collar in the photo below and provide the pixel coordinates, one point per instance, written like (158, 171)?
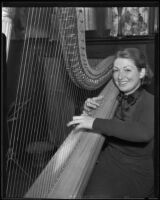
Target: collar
(131, 98)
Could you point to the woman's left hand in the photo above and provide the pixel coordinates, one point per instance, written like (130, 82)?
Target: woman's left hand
(82, 121)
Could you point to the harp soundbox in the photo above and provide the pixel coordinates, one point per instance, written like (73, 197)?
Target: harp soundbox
(68, 171)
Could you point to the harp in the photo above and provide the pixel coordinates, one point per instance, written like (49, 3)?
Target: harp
(54, 77)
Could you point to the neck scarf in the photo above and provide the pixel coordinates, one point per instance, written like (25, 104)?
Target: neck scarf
(128, 100)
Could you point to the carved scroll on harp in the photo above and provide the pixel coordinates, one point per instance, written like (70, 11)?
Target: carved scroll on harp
(67, 173)
(74, 50)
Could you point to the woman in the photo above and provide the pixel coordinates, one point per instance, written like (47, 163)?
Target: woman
(125, 168)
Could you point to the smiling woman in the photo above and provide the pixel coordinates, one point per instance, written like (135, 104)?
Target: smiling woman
(125, 167)
(126, 75)
(129, 69)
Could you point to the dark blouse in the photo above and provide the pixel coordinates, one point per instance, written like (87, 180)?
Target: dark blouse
(125, 167)
(132, 128)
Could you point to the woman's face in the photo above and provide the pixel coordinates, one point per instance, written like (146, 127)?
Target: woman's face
(126, 75)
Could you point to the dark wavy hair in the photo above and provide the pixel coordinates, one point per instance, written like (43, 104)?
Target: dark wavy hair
(139, 59)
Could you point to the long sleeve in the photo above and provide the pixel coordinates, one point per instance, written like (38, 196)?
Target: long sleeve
(138, 129)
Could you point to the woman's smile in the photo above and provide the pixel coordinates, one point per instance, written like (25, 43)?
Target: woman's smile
(122, 83)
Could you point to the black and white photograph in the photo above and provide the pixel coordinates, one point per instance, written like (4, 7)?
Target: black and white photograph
(80, 100)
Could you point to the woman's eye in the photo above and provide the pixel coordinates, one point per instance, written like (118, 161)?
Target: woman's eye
(115, 70)
(127, 70)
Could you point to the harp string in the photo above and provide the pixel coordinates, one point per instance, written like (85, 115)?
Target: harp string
(70, 45)
(16, 116)
(68, 148)
(29, 160)
(42, 123)
(29, 123)
(66, 15)
(60, 52)
(55, 71)
(52, 93)
(53, 84)
(50, 87)
(52, 97)
(16, 106)
(56, 63)
(37, 86)
(28, 91)
(51, 72)
(24, 124)
(38, 109)
(59, 62)
(11, 146)
(34, 88)
(30, 61)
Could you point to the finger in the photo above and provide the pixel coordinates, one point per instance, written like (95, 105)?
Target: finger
(78, 117)
(71, 123)
(98, 98)
(86, 108)
(84, 113)
(92, 104)
(88, 99)
(94, 100)
(78, 127)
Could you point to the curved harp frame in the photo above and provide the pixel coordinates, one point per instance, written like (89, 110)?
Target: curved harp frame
(82, 74)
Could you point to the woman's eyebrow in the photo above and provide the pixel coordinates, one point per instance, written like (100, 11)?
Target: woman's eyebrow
(115, 67)
(128, 66)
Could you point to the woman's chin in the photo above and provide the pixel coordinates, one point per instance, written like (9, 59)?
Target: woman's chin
(123, 88)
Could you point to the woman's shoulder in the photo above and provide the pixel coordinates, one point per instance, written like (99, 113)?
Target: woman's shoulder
(148, 95)
(147, 98)
(145, 105)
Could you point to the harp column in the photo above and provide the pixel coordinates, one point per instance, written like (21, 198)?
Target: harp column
(7, 18)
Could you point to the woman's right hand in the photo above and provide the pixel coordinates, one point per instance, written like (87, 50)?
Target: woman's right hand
(91, 103)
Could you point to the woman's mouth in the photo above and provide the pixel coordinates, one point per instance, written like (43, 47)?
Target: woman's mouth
(122, 83)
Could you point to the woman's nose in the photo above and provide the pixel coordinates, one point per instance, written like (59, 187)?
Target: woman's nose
(120, 75)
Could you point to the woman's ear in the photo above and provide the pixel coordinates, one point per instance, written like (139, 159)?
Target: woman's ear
(142, 73)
